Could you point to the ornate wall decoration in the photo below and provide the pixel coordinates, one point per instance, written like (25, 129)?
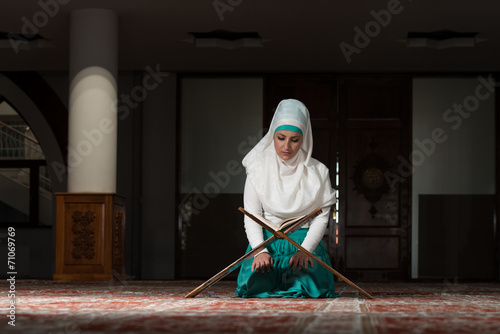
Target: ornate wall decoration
(84, 239)
(118, 240)
(369, 179)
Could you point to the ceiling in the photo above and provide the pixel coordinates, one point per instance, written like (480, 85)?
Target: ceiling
(298, 35)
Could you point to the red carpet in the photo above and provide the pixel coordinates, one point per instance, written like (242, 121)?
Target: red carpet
(159, 307)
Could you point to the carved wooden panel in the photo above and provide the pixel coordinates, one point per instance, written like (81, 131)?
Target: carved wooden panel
(83, 234)
(119, 241)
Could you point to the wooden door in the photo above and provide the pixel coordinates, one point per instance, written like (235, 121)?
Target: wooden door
(364, 130)
(374, 227)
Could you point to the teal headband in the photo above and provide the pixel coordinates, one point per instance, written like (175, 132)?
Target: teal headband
(289, 128)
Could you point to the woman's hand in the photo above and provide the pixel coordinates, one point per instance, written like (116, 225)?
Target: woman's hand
(261, 262)
(301, 260)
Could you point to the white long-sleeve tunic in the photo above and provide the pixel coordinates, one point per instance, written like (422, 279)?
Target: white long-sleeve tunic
(254, 231)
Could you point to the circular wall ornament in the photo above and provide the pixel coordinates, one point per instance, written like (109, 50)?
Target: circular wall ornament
(373, 178)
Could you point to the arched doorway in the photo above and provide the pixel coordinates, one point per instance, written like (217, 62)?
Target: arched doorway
(36, 125)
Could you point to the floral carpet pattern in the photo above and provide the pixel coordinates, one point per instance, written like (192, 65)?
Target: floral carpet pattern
(53, 307)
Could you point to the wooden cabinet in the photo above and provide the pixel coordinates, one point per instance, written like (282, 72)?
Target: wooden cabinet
(90, 231)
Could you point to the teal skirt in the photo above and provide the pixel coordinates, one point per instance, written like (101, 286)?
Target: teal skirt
(282, 281)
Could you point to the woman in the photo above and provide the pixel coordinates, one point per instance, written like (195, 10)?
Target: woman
(284, 181)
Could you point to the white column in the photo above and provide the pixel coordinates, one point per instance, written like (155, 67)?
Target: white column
(92, 101)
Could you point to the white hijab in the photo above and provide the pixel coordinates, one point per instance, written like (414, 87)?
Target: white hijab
(294, 187)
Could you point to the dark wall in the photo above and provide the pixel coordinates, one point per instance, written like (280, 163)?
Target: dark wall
(456, 236)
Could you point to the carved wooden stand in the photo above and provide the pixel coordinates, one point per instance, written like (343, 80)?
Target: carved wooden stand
(90, 231)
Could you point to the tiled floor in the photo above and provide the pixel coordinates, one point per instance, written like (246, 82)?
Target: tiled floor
(160, 307)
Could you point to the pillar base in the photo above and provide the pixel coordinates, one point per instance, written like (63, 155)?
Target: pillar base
(90, 234)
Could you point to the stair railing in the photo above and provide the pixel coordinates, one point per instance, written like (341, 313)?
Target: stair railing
(22, 160)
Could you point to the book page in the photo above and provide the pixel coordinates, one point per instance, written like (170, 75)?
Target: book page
(265, 221)
(289, 221)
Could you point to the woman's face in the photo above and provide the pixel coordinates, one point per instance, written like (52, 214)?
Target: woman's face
(287, 143)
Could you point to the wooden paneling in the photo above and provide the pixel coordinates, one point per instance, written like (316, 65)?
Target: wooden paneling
(384, 252)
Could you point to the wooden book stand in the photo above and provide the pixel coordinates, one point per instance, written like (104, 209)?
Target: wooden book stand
(276, 234)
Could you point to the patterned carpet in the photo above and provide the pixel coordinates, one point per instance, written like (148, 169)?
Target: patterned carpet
(159, 307)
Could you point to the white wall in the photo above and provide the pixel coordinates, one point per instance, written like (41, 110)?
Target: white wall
(453, 141)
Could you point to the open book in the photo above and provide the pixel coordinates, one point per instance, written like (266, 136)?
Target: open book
(284, 223)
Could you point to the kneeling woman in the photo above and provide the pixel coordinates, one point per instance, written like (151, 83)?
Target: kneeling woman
(284, 181)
